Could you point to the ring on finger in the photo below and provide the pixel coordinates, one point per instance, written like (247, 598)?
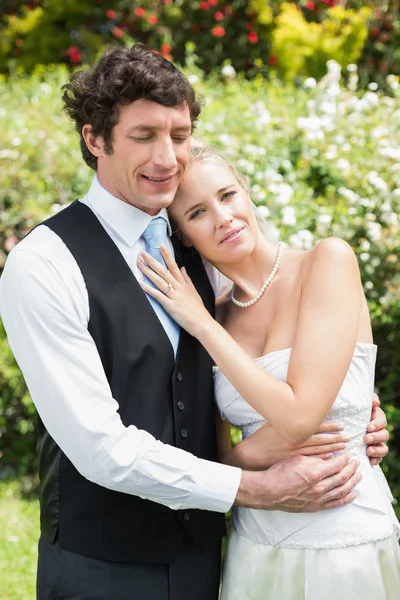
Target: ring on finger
(165, 292)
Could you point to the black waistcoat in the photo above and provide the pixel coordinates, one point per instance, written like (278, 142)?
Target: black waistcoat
(172, 400)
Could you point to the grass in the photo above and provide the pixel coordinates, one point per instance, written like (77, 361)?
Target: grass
(19, 532)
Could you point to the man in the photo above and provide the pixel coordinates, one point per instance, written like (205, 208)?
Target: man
(132, 496)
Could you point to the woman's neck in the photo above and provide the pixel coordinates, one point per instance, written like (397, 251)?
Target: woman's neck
(251, 273)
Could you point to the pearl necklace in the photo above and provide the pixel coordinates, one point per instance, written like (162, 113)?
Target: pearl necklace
(264, 287)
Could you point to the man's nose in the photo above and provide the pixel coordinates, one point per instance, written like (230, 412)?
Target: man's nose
(164, 155)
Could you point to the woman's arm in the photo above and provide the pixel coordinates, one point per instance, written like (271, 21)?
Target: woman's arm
(322, 349)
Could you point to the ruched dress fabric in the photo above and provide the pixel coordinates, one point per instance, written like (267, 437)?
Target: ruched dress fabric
(348, 553)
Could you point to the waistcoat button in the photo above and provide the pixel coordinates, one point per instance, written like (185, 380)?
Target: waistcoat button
(181, 405)
(179, 376)
(184, 433)
(186, 516)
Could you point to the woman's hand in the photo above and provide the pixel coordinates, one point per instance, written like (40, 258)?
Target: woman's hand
(265, 447)
(175, 292)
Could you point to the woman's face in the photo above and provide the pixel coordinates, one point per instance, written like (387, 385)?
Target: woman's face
(214, 213)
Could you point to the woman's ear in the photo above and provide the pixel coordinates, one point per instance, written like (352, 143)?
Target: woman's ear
(185, 241)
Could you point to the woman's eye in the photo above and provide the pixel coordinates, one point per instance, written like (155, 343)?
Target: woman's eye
(196, 213)
(227, 195)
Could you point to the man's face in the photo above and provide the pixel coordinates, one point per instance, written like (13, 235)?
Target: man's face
(151, 145)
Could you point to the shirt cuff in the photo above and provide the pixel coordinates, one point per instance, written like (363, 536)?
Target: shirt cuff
(216, 487)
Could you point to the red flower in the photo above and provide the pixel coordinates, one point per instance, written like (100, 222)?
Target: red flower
(219, 16)
(111, 14)
(118, 32)
(203, 5)
(212, 2)
(310, 5)
(218, 31)
(252, 37)
(165, 48)
(152, 19)
(273, 61)
(139, 11)
(74, 55)
(196, 27)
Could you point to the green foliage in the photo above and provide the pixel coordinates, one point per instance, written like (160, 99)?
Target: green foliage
(254, 36)
(323, 159)
(304, 47)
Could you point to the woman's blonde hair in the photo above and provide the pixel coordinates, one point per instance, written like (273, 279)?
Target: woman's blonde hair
(200, 152)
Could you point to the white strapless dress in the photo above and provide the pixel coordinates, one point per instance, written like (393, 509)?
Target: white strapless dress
(348, 553)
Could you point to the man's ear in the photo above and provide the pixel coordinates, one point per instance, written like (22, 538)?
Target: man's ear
(95, 143)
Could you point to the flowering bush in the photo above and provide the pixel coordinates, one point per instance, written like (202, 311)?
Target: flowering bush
(323, 160)
(255, 36)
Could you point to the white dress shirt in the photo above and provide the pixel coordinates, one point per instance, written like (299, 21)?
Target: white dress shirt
(45, 310)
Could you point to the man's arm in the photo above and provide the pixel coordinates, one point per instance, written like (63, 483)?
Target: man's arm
(42, 311)
(42, 307)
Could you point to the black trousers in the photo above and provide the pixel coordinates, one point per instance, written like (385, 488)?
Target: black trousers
(64, 575)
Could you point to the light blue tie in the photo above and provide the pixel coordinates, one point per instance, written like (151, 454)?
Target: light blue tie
(154, 236)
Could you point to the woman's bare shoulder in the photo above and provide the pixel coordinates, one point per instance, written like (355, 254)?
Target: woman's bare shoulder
(332, 250)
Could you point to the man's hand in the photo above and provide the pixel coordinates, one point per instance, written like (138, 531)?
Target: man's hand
(377, 434)
(301, 484)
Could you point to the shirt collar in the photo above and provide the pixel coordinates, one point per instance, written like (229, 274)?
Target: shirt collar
(126, 221)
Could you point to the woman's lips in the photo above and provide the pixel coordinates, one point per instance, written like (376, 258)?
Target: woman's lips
(232, 236)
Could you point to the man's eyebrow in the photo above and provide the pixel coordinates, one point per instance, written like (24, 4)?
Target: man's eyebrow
(143, 128)
(200, 203)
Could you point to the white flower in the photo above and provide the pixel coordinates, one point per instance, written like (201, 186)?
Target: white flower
(302, 239)
(289, 215)
(365, 245)
(393, 153)
(263, 211)
(226, 139)
(228, 71)
(352, 68)
(282, 192)
(374, 179)
(272, 176)
(343, 165)
(331, 152)
(310, 83)
(374, 231)
(246, 165)
(193, 79)
(373, 86)
(325, 219)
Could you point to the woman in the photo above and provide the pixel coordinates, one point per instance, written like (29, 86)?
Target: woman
(293, 347)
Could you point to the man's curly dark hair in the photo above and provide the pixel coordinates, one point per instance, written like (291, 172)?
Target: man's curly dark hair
(122, 75)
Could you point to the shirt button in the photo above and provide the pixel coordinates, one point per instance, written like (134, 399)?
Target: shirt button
(179, 376)
(181, 405)
(186, 516)
(184, 433)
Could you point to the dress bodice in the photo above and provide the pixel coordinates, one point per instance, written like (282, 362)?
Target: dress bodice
(370, 517)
